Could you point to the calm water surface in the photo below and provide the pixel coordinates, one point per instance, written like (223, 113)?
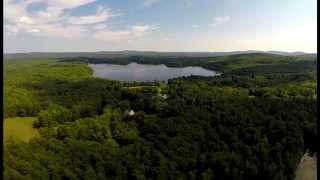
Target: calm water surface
(144, 72)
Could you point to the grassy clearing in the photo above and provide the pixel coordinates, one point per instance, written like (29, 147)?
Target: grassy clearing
(19, 128)
(306, 169)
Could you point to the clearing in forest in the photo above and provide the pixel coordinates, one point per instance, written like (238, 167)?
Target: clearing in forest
(19, 128)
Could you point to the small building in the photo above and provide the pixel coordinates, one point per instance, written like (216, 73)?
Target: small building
(129, 113)
(164, 96)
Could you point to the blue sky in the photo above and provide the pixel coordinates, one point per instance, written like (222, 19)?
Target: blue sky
(159, 25)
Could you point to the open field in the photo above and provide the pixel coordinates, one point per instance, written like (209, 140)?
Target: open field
(19, 128)
(307, 168)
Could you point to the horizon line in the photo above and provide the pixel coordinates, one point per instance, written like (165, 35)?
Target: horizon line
(160, 51)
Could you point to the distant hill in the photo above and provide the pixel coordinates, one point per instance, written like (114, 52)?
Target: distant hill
(111, 54)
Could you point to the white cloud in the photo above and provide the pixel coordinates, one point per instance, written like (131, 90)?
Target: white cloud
(220, 20)
(103, 14)
(109, 35)
(141, 30)
(99, 26)
(52, 21)
(133, 32)
(34, 30)
(138, 30)
(60, 30)
(148, 3)
(26, 20)
(56, 7)
(195, 26)
(166, 39)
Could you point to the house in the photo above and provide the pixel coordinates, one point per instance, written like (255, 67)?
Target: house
(129, 113)
(164, 96)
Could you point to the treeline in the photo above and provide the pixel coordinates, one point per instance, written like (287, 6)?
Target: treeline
(220, 63)
(202, 132)
(236, 126)
(21, 97)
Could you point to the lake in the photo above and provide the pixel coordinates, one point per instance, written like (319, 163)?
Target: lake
(146, 72)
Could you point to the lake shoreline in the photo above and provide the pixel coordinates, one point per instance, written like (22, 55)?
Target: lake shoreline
(135, 72)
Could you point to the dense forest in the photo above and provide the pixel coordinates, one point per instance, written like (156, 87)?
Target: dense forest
(248, 123)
